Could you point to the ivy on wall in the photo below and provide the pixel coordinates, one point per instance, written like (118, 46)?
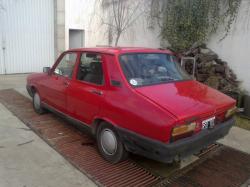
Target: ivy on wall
(185, 22)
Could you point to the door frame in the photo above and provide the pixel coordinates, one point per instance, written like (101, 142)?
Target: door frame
(82, 37)
(87, 85)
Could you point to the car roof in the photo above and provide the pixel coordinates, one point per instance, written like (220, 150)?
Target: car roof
(122, 50)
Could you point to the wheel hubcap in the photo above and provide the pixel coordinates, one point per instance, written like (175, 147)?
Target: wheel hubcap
(108, 141)
(37, 101)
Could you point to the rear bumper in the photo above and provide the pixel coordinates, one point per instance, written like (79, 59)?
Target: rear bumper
(167, 152)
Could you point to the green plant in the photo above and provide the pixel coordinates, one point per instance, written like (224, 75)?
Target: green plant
(185, 22)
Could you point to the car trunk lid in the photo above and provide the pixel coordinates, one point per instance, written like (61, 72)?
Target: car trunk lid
(187, 99)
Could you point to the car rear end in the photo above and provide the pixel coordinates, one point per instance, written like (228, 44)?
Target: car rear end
(203, 115)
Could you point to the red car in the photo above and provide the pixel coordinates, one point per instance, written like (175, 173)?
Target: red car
(135, 100)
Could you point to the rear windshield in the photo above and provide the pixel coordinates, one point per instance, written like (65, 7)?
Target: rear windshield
(151, 68)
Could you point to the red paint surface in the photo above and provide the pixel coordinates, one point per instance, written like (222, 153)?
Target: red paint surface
(151, 111)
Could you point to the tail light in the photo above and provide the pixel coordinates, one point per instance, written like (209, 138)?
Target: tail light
(230, 112)
(183, 131)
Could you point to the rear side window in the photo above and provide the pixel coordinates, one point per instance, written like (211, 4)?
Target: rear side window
(90, 68)
(143, 69)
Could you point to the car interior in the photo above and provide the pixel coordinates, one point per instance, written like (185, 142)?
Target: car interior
(90, 69)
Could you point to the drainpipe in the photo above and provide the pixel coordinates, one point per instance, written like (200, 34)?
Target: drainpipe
(4, 56)
(2, 36)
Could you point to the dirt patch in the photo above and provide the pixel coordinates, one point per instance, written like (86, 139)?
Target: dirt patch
(242, 122)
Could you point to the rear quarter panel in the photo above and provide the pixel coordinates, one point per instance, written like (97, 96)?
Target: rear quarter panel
(127, 109)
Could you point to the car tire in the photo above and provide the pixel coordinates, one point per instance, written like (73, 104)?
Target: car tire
(37, 104)
(109, 144)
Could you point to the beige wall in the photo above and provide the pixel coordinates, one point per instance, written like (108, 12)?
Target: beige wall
(87, 15)
(59, 26)
(235, 49)
(78, 14)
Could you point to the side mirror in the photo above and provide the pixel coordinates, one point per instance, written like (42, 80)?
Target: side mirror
(46, 70)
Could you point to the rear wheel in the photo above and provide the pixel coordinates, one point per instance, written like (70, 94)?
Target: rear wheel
(109, 144)
(37, 104)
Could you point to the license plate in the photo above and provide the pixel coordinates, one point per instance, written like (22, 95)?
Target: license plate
(208, 123)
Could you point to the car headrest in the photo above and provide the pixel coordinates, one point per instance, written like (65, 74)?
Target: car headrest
(96, 67)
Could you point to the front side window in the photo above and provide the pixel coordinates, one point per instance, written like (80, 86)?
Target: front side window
(151, 68)
(66, 65)
(90, 68)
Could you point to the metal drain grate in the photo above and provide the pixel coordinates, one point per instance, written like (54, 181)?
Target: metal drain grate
(218, 165)
(225, 167)
(77, 147)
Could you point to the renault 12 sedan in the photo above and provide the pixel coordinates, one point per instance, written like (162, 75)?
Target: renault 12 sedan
(136, 100)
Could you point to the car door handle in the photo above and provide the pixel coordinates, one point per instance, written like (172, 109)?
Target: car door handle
(66, 83)
(97, 92)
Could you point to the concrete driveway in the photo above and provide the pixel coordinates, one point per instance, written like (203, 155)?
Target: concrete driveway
(16, 81)
(25, 159)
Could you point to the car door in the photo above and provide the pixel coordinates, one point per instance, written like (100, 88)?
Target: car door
(86, 93)
(59, 80)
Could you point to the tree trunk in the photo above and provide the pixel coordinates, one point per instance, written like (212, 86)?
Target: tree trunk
(117, 39)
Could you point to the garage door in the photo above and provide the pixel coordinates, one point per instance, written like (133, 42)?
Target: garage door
(26, 35)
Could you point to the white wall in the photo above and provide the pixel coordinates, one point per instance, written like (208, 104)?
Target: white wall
(139, 35)
(235, 48)
(86, 15)
(77, 14)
